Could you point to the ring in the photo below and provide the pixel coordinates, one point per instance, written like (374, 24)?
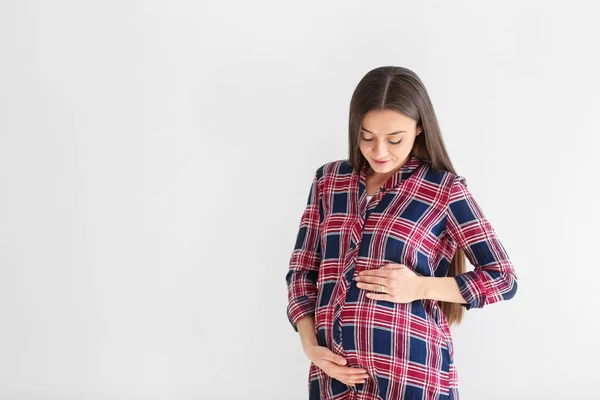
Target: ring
(382, 291)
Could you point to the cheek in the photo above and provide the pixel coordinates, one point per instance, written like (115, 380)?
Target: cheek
(403, 145)
(399, 148)
(363, 147)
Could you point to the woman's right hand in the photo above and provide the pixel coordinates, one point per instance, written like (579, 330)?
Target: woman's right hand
(334, 365)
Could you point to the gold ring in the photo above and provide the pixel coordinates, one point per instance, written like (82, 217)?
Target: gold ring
(382, 291)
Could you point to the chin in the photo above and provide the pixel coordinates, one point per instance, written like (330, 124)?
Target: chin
(381, 169)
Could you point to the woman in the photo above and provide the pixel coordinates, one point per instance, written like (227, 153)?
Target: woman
(377, 274)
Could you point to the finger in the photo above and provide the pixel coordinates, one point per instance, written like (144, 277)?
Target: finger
(360, 377)
(393, 266)
(383, 273)
(355, 371)
(370, 287)
(331, 356)
(374, 280)
(355, 381)
(379, 296)
(347, 371)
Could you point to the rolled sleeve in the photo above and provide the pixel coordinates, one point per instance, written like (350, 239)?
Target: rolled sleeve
(493, 278)
(304, 262)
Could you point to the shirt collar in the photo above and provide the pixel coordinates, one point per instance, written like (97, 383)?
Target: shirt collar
(398, 177)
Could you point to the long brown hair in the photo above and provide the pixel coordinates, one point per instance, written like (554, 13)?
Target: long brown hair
(400, 89)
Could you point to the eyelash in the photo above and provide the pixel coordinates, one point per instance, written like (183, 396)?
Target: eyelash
(368, 140)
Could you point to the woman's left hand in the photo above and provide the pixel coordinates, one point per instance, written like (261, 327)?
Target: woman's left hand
(400, 283)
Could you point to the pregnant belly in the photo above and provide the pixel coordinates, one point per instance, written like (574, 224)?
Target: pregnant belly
(392, 338)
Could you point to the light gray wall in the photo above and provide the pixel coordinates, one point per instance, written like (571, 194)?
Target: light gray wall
(155, 158)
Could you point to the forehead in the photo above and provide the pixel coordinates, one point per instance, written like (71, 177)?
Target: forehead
(386, 121)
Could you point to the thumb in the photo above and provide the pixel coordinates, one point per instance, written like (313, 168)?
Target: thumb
(340, 360)
(331, 356)
(392, 266)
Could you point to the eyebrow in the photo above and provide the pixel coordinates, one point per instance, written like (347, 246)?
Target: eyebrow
(393, 133)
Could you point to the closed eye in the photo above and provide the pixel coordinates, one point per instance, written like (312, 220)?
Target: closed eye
(368, 140)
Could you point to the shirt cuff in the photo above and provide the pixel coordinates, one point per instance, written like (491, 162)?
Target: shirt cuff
(467, 283)
(299, 308)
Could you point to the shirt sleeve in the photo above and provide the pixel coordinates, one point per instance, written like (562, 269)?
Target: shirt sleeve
(305, 259)
(494, 277)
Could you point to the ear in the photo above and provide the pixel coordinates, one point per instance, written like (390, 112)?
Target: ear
(419, 129)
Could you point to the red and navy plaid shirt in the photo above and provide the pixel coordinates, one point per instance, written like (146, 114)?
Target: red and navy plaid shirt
(417, 218)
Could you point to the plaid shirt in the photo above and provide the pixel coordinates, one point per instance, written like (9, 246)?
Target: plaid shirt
(417, 218)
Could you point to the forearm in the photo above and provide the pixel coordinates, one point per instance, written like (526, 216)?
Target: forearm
(442, 289)
(306, 329)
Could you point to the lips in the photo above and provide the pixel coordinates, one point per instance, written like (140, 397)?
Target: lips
(380, 162)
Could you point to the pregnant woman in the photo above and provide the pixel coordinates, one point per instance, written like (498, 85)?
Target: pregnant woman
(377, 274)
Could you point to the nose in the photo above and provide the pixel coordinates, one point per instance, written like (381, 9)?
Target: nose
(380, 150)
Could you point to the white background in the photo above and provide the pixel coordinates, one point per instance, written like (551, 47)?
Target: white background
(156, 156)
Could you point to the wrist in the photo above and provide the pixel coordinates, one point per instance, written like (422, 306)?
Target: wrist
(423, 287)
(309, 342)
(308, 350)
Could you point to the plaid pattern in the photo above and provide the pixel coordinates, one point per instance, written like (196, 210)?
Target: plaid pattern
(417, 218)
